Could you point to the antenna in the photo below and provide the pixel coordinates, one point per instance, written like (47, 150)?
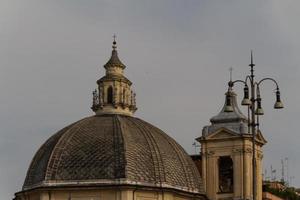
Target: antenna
(282, 171)
(273, 174)
(195, 146)
(266, 175)
(291, 178)
(287, 171)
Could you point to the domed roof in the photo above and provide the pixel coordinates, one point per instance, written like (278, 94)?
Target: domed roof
(110, 150)
(235, 120)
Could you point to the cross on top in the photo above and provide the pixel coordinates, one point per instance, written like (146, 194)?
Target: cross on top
(230, 70)
(114, 36)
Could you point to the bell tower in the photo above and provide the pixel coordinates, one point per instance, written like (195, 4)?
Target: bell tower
(226, 150)
(114, 94)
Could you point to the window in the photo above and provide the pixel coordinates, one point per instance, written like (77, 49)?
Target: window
(110, 95)
(225, 174)
(124, 95)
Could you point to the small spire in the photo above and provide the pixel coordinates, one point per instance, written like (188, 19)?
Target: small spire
(230, 70)
(114, 42)
(252, 66)
(114, 60)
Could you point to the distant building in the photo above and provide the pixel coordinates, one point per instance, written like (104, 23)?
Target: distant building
(275, 185)
(269, 196)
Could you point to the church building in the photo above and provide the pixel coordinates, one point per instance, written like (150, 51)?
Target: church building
(226, 154)
(113, 155)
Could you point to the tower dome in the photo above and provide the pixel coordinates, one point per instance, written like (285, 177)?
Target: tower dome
(112, 153)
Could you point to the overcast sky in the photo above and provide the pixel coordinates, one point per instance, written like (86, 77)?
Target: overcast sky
(177, 54)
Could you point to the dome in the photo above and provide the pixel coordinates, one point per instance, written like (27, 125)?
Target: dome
(235, 120)
(112, 150)
(112, 153)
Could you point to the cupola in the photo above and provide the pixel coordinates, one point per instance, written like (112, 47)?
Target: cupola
(114, 94)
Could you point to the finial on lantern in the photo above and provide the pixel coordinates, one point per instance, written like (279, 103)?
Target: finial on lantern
(114, 42)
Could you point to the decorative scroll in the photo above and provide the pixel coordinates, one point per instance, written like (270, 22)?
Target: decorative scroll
(95, 98)
(95, 105)
(100, 97)
(134, 101)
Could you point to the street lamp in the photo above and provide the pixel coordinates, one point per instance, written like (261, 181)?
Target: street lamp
(255, 109)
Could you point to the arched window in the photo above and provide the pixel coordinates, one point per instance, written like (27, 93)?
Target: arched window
(225, 174)
(110, 95)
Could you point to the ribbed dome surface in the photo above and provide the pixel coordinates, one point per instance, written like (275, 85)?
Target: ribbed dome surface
(112, 150)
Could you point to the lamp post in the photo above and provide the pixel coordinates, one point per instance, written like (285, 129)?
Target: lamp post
(254, 109)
